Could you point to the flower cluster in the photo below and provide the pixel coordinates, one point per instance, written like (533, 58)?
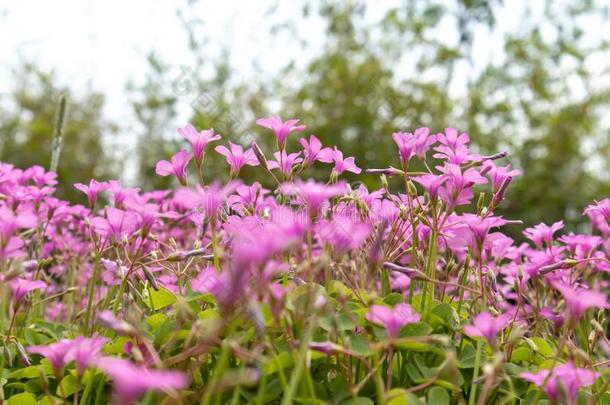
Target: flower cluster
(299, 290)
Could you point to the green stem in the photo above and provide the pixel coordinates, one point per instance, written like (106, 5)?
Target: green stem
(117, 299)
(379, 388)
(300, 365)
(92, 283)
(475, 374)
(215, 247)
(88, 387)
(431, 273)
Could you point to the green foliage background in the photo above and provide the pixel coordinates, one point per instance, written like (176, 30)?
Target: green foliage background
(371, 78)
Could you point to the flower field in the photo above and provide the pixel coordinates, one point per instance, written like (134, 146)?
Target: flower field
(303, 291)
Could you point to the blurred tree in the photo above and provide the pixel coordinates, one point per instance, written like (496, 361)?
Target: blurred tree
(27, 119)
(543, 99)
(154, 106)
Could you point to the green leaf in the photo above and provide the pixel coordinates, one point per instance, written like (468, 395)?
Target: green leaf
(521, 354)
(342, 321)
(467, 356)
(358, 401)
(24, 398)
(438, 396)
(415, 329)
(155, 320)
(543, 347)
(339, 388)
(398, 396)
(447, 315)
(116, 346)
(358, 343)
(159, 299)
(30, 372)
(53, 401)
(281, 361)
(393, 298)
(208, 298)
(338, 289)
(67, 386)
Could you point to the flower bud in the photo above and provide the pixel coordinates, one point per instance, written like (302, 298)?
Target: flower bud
(497, 156)
(481, 202)
(121, 327)
(22, 353)
(411, 188)
(150, 277)
(259, 155)
(384, 182)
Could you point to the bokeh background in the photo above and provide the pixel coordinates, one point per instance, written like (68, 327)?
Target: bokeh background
(529, 77)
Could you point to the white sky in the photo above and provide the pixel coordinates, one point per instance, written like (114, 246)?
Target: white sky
(104, 43)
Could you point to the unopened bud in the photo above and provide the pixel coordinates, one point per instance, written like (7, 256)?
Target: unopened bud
(413, 274)
(499, 196)
(411, 188)
(328, 348)
(151, 278)
(384, 181)
(388, 171)
(29, 266)
(481, 202)
(497, 156)
(491, 276)
(259, 155)
(121, 327)
(22, 353)
(597, 326)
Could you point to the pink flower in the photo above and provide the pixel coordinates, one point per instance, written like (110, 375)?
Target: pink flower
(431, 183)
(602, 207)
(542, 233)
(131, 381)
(313, 194)
(285, 162)
(177, 167)
(473, 232)
(393, 319)
(564, 379)
(247, 197)
(119, 194)
(85, 352)
(281, 129)
(343, 233)
(206, 200)
(498, 174)
(117, 224)
(599, 214)
(342, 165)
(198, 140)
(457, 190)
(22, 286)
(313, 151)
(40, 177)
(411, 144)
(578, 300)
(236, 157)
(10, 245)
(55, 353)
(209, 281)
(485, 325)
(454, 148)
(92, 190)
